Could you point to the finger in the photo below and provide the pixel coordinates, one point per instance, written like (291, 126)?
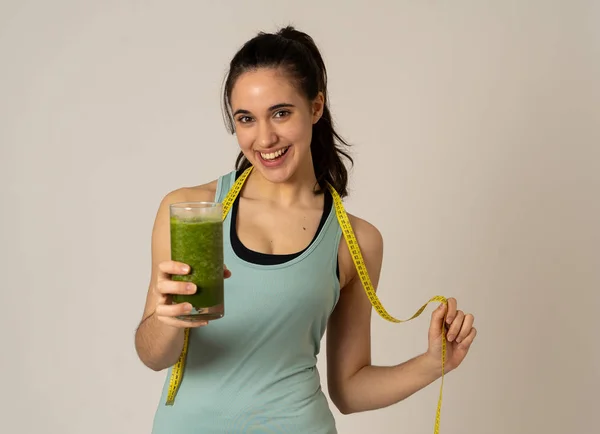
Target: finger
(173, 310)
(466, 343)
(456, 326)
(173, 267)
(174, 287)
(466, 328)
(451, 310)
(437, 321)
(174, 322)
(168, 315)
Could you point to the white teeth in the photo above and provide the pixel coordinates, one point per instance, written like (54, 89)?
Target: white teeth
(273, 155)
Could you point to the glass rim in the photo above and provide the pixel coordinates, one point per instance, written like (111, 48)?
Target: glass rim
(196, 204)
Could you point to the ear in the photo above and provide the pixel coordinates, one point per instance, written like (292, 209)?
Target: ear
(318, 105)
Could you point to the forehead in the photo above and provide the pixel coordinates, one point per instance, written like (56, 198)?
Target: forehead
(262, 88)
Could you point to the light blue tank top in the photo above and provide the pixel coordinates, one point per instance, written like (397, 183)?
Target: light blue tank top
(254, 370)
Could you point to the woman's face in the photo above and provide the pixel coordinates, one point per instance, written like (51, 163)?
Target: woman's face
(273, 123)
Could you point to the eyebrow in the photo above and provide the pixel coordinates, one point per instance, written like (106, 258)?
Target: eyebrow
(273, 107)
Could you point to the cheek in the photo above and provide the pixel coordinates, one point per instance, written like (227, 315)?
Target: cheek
(297, 133)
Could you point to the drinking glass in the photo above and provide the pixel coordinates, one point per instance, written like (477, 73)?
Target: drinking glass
(197, 240)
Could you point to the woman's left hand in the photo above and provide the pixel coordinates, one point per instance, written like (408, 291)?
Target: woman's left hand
(460, 334)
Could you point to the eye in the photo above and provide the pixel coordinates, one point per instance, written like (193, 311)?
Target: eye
(244, 119)
(282, 113)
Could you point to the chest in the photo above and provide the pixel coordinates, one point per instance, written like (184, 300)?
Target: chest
(272, 230)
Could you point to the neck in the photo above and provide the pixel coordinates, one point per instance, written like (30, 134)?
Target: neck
(300, 188)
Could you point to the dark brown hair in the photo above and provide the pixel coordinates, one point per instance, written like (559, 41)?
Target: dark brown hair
(297, 54)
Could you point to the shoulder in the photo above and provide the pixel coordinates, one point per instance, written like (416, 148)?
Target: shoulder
(367, 234)
(198, 193)
(370, 241)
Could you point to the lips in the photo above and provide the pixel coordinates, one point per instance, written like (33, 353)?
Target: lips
(271, 156)
(274, 158)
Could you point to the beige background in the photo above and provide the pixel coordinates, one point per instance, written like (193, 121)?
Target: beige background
(477, 146)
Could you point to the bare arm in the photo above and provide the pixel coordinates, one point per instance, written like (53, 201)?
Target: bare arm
(356, 385)
(159, 337)
(158, 345)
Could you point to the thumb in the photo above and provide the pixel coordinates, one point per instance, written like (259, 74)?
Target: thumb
(438, 317)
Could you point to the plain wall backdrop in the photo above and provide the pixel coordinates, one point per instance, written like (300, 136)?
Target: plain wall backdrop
(476, 138)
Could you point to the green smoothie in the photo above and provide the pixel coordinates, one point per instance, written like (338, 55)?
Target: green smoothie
(198, 242)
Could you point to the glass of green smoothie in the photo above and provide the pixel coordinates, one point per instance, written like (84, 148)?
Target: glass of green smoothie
(197, 240)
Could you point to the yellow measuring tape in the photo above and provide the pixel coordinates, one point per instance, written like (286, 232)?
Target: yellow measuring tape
(359, 263)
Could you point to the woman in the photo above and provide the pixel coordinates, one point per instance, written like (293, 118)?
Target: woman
(291, 271)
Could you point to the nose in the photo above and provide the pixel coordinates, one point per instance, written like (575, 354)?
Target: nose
(267, 136)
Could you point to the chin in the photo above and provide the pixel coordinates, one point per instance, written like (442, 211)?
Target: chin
(276, 176)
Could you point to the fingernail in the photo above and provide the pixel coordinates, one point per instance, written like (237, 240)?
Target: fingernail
(458, 340)
(185, 269)
(191, 287)
(188, 307)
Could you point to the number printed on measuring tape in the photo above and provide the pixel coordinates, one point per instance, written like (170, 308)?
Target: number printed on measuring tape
(359, 263)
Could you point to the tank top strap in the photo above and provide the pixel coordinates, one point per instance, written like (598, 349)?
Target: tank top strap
(224, 184)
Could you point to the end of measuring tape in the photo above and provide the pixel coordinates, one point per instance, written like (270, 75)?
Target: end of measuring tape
(177, 371)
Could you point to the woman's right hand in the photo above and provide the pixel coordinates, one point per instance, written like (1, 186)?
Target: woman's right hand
(165, 287)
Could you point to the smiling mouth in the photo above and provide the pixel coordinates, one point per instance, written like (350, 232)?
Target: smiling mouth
(272, 156)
